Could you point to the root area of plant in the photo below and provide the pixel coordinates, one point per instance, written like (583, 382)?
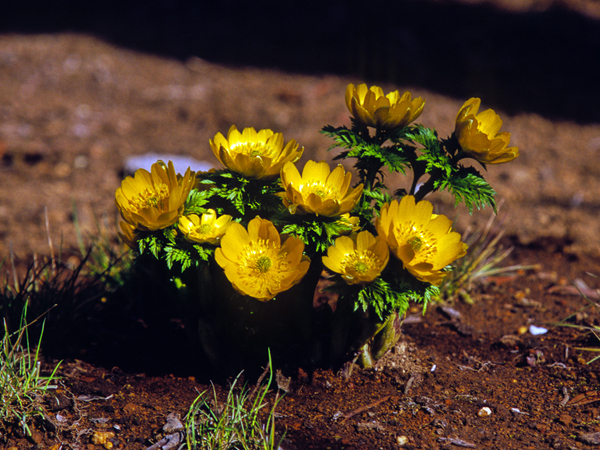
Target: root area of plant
(470, 376)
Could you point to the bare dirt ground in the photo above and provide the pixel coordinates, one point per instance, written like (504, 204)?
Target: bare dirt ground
(74, 107)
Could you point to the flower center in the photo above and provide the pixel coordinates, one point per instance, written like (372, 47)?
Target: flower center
(321, 189)
(204, 228)
(360, 263)
(420, 240)
(263, 264)
(252, 149)
(150, 197)
(416, 243)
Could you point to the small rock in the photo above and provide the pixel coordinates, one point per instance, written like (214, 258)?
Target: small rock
(173, 424)
(402, 440)
(536, 331)
(102, 438)
(565, 419)
(590, 438)
(484, 412)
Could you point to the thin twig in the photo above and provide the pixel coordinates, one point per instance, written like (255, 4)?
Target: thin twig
(364, 408)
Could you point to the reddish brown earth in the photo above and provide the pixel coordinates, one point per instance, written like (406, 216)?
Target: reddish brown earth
(73, 107)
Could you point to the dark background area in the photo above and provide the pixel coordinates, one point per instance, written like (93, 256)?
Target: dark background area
(545, 62)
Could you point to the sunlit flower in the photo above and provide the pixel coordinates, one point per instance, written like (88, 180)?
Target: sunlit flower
(358, 258)
(319, 190)
(254, 154)
(374, 109)
(205, 229)
(424, 242)
(128, 234)
(480, 137)
(257, 263)
(154, 200)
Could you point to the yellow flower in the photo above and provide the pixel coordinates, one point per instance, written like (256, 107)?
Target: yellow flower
(374, 109)
(255, 261)
(479, 134)
(318, 190)
(359, 259)
(128, 234)
(424, 242)
(154, 200)
(205, 229)
(254, 154)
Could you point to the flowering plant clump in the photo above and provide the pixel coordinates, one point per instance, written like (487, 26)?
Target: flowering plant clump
(250, 241)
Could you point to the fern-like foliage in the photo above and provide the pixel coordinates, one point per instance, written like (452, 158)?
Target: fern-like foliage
(241, 196)
(468, 186)
(368, 154)
(317, 232)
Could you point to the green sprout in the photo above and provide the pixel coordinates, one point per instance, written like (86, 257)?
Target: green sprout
(233, 424)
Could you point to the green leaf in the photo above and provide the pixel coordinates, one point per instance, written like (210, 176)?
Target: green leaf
(468, 186)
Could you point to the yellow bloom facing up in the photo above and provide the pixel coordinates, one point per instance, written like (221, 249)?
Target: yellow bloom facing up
(480, 137)
(423, 241)
(319, 190)
(254, 154)
(154, 200)
(359, 258)
(205, 229)
(257, 263)
(387, 112)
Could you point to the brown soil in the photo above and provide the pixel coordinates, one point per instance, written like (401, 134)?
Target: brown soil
(73, 107)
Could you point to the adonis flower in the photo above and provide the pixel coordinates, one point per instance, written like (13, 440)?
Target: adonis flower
(257, 263)
(254, 154)
(359, 258)
(423, 241)
(154, 200)
(479, 134)
(205, 229)
(374, 109)
(128, 234)
(319, 190)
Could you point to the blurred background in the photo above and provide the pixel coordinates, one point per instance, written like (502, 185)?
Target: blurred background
(86, 86)
(520, 55)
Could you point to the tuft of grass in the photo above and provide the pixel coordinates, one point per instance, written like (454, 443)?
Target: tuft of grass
(22, 385)
(593, 329)
(235, 423)
(483, 260)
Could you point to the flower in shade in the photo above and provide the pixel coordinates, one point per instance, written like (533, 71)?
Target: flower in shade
(128, 234)
(371, 107)
(358, 258)
(154, 200)
(254, 154)
(206, 229)
(257, 263)
(319, 190)
(423, 241)
(480, 137)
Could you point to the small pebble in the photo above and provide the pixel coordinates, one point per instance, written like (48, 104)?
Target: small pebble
(484, 412)
(402, 440)
(536, 331)
(102, 438)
